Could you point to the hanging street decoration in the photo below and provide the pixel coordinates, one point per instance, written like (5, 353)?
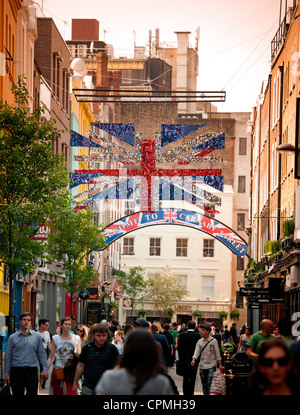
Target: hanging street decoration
(148, 184)
(182, 217)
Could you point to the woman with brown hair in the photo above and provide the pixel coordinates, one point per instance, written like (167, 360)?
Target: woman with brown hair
(139, 370)
(275, 373)
(64, 347)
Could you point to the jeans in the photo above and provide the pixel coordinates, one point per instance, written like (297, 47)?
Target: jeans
(206, 376)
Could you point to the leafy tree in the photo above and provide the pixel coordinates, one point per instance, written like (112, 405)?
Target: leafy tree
(166, 290)
(133, 284)
(71, 239)
(32, 181)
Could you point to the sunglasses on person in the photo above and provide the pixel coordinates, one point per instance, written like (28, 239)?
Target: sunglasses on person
(79, 329)
(281, 361)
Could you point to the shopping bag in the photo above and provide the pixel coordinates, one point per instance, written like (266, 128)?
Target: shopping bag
(218, 384)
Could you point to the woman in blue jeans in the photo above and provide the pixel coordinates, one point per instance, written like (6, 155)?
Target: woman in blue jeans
(208, 350)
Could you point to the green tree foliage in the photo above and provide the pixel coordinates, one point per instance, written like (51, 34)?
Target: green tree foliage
(32, 181)
(71, 239)
(133, 284)
(166, 290)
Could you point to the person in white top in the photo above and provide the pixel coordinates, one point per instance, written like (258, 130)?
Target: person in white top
(208, 350)
(64, 345)
(45, 335)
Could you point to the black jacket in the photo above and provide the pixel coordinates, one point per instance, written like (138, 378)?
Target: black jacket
(186, 345)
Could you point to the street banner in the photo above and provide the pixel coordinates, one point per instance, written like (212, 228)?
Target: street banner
(171, 216)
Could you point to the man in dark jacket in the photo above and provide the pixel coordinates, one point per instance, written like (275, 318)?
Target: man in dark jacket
(186, 347)
(160, 338)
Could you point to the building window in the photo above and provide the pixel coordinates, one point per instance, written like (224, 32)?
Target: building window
(241, 221)
(182, 280)
(208, 282)
(181, 247)
(241, 184)
(128, 246)
(242, 146)
(240, 263)
(154, 247)
(208, 248)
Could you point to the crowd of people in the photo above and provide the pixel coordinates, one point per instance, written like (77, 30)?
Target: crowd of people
(109, 359)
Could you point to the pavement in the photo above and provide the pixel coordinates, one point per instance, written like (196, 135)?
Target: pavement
(172, 372)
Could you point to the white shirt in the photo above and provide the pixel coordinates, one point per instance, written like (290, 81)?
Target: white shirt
(210, 355)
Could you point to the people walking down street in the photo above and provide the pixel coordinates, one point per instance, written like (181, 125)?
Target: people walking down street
(175, 341)
(169, 338)
(285, 331)
(186, 346)
(127, 330)
(119, 341)
(226, 336)
(207, 350)
(64, 347)
(82, 331)
(233, 332)
(265, 333)
(96, 357)
(109, 333)
(46, 339)
(139, 371)
(217, 335)
(114, 327)
(160, 338)
(274, 373)
(244, 338)
(24, 353)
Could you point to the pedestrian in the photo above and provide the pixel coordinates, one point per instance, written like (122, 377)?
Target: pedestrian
(24, 353)
(186, 345)
(233, 333)
(285, 331)
(119, 341)
(109, 334)
(265, 333)
(207, 350)
(175, 341)
(274, 372)
(46, 339)
(64, 347)
(226, 336)
(218, 337)
(139, 371)
(244, 338)
(276, 331)
(82, 331)
(114, 327)
(127, 330)
(96, 357)
(169, 338)
(160, 338)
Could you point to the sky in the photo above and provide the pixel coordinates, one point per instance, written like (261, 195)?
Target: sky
(235, 36)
